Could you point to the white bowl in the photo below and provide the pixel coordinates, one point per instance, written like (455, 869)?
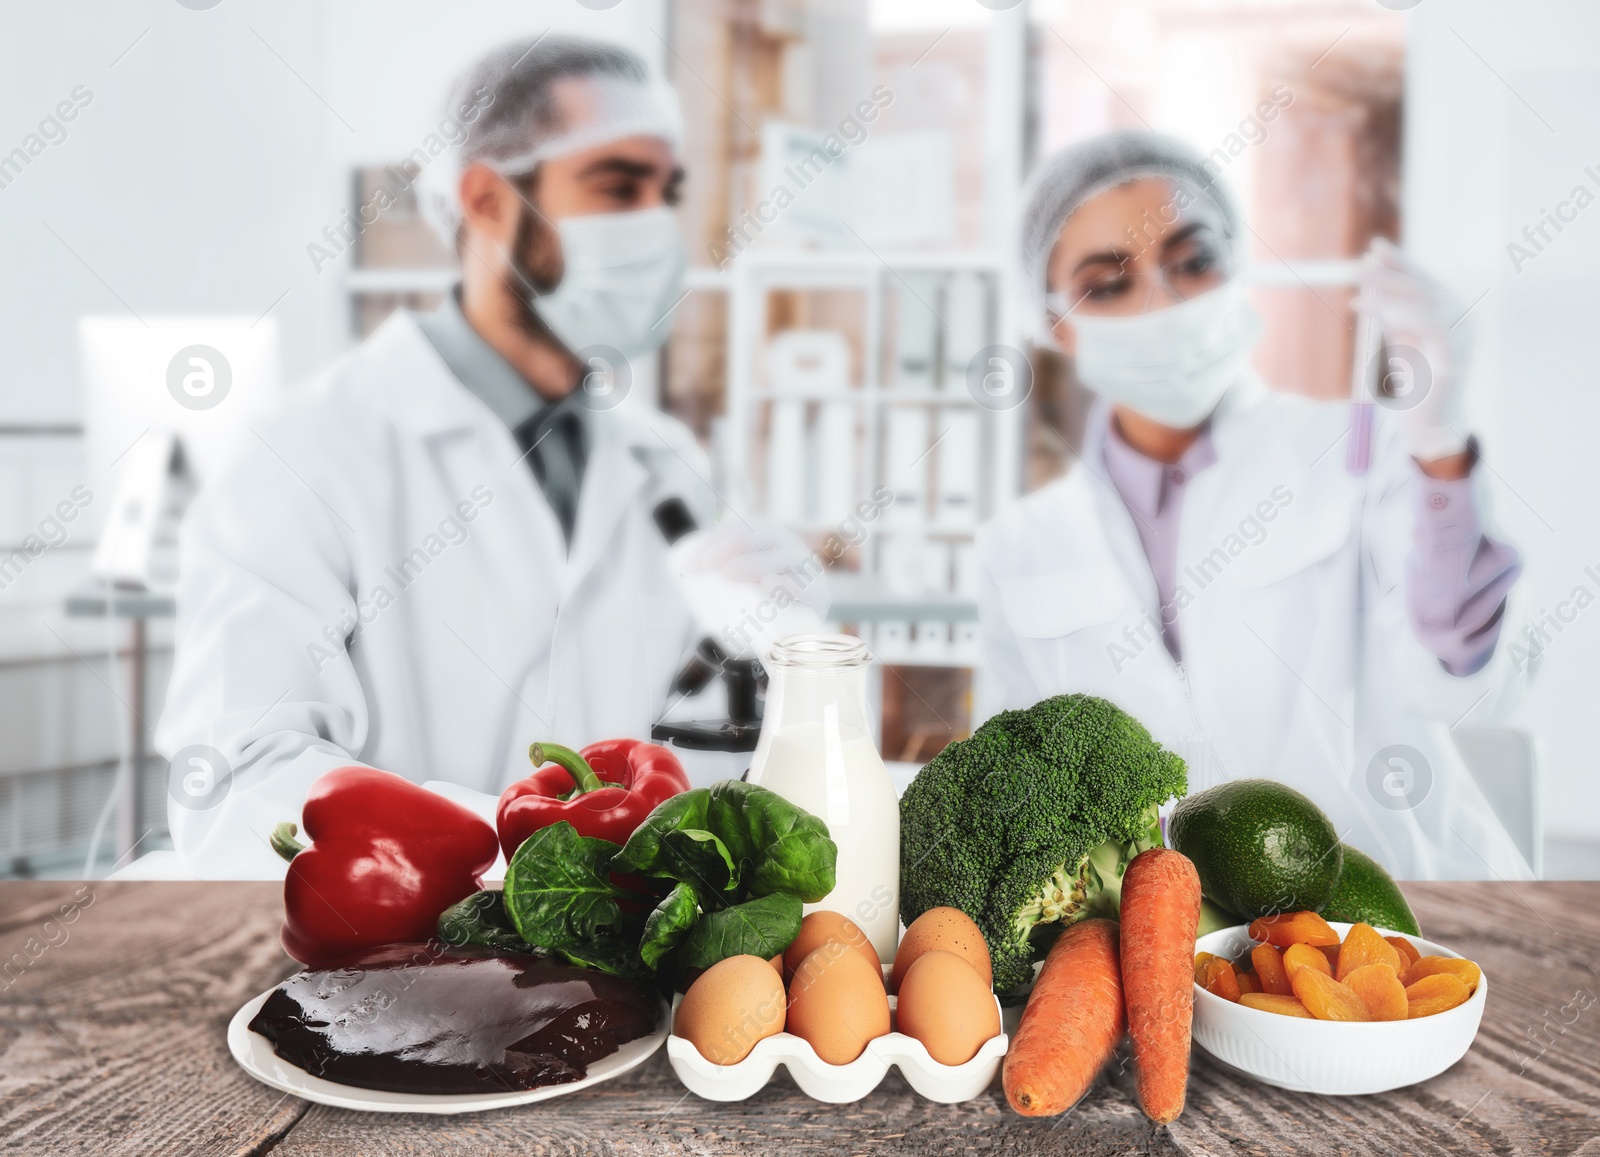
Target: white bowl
(836, 1084)
(1334, 1058)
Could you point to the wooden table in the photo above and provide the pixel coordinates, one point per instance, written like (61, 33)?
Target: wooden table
(112, 1041)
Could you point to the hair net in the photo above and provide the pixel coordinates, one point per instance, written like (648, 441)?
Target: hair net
(527, 117)
(1070, 177)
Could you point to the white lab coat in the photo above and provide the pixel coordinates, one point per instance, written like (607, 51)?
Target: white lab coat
(388, 498)
(1299, 661)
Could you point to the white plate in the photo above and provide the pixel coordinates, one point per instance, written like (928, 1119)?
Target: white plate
(1331, 1057)
(255, 1056)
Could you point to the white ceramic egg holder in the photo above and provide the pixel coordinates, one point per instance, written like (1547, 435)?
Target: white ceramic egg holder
(836, 1084)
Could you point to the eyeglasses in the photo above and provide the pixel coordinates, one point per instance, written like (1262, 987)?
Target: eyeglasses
(1120, 287)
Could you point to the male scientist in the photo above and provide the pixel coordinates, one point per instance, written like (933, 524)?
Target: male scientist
(452, 544)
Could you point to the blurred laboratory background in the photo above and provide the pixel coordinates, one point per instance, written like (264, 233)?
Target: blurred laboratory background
(234, 173)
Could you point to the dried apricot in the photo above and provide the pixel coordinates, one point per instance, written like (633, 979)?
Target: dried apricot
(1270, 971)
(1331, 951)
(1465, 971)
(1293, 928)
(1380, 990)
(1325, 998)
(1201, 959)
(1272, 1002)
(1247, 983)
(1220, 980)
(1408, 951)
(1298, 956)
(1437, 993)
(1363, 946)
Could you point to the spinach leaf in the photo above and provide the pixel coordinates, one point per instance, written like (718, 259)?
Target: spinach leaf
(776, 846)
(614, 957)
(481, 920)
(673, 842)
(642, 853)
(668, 924)
(763, 927)
(743, 861)
(559, 895)
(699, 859)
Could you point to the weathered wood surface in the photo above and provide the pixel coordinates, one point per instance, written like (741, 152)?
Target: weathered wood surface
(112, 1041)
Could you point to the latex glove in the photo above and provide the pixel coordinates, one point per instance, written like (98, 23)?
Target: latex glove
(750, 583)
(1428, 343)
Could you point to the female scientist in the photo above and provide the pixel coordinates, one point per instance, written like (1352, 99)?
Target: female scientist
(1213, 566)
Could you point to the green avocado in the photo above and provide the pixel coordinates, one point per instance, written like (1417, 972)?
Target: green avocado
(1260, 847)
(1366, 894)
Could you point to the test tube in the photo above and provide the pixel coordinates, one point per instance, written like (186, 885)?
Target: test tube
(1369, 340)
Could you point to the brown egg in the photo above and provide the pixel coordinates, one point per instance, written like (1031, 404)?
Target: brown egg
(837, 1003)
(731, 1006)
(948, 929)
(820, 927)
(947, 1006)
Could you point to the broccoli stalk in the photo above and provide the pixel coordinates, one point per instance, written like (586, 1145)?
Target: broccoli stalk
(1063, 899)
(1094, 888)
(1030, 824)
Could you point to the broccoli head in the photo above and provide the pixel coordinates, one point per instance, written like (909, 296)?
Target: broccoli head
(1028, 825)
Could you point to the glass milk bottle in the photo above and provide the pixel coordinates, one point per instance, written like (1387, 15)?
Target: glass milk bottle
(816, 751)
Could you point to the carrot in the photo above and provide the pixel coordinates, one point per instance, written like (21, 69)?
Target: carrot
(1160, 915)
(1071, 1025)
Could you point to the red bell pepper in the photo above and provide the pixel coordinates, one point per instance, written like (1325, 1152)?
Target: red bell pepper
(605, 790)
(386, 857)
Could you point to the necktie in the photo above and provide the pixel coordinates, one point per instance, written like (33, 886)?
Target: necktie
(553, 443)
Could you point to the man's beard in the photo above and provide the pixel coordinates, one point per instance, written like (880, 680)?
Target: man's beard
(536, 269)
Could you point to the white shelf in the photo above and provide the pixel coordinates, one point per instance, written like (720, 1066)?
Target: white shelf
(876, 395)
(750, 280)
(817, 268)
(357, 281)
(836, 263)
